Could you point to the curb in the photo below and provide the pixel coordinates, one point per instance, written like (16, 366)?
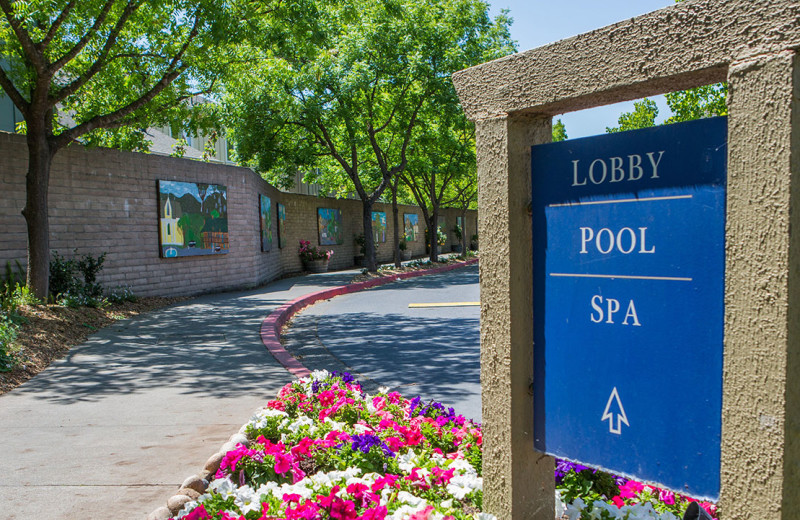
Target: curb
(273, 324)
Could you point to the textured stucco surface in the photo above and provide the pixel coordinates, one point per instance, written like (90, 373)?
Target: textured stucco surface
(518, 482)
(678, 47)
(760, 401)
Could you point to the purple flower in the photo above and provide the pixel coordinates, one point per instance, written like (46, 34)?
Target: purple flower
(365, 442)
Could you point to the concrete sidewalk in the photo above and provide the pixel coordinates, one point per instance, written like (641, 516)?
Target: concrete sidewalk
(113, 429)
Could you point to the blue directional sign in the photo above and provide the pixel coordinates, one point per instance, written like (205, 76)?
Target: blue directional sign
(629, 270)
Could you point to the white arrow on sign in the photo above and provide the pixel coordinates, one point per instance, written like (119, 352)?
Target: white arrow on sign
(611, 410)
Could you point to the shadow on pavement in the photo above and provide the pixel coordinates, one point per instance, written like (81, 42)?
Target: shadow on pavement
(430, 357)
(210, 345)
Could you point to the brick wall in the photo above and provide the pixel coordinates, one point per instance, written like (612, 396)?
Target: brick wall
(105, 200)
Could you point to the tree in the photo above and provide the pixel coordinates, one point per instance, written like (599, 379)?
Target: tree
(559, 131)
(696, 103)
(79, 69)
(643, 116)
(344, 108)
(444, 152)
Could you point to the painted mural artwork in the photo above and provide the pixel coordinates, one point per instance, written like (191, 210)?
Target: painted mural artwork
(411, 225)
(379, 226)
(442, 223)
(193, 219)
(281, 226)
(265, 214)
(329, 221)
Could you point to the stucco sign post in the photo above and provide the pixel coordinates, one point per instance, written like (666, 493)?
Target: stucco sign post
(751, 45)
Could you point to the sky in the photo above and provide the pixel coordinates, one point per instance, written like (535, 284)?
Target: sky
(539, 22)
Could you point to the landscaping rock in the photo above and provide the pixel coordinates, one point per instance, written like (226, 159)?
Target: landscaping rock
(196, 483)
(206, 475)
(162, 513)
(175, 504)
(228, 446)
(212, 464)
(191, 493)
(238, 438)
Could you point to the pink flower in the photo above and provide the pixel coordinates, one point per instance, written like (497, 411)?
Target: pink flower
(283, 463)
(198, 513)
(394, 443)
(422, 515)
(618, 501)
(385, 481)
(442, 477)
(668, 497)
(375, 513)
(275, 404)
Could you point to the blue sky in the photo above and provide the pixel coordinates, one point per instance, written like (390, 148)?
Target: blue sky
(539, 22)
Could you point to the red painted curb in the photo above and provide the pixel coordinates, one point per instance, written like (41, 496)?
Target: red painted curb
(272, 324)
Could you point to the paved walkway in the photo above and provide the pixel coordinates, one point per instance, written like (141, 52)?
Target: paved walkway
(113, 429)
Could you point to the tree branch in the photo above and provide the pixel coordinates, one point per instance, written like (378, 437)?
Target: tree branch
(98, 64)
(101, 18)
(56, 25)
(13, 93)
(28, 46)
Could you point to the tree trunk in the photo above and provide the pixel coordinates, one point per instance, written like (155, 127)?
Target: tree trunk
(35, 211)
(464, 232)
(434, 235)
(396, 226)
(369, 239)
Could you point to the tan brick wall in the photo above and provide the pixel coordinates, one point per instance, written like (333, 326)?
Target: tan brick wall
(105, 200)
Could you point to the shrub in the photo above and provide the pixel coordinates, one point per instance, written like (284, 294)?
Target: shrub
(121, 293)
(73, 281)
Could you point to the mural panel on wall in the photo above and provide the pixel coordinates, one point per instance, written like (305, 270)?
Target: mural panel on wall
(442, 223)
(411, 225)
(379, 226)
(329, 222)
(281, 226)
(265, 213)
(193, 218)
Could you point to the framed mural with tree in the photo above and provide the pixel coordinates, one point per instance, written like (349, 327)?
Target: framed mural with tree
(193, 218)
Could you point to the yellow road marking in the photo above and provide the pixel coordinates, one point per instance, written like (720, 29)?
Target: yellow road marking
(445, 304)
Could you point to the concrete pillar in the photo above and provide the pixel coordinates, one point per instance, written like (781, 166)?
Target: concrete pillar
(761, 388)
(518, 481)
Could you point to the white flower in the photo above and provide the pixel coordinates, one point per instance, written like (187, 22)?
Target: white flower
(320, 375)
(462, 485)
(361, 428)
(223, 487)
(484, 516)
(464, 466)
(336, 426)
(405, 497)
(187, 508)
(406, 461)
(298, 423)
(447, 504)
(300, 488)
(561, 507)
(247, 500)
(404, 512)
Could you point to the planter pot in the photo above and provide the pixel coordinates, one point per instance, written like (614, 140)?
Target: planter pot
(317, 266)
(405, 255)
(455, 248)
(360, 261)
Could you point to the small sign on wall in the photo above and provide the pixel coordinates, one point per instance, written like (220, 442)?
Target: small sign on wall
(629, 270)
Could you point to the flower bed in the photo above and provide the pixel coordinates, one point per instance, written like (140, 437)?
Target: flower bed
(325, 449)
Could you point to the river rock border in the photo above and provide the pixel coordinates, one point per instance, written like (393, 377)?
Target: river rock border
(271, 327)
